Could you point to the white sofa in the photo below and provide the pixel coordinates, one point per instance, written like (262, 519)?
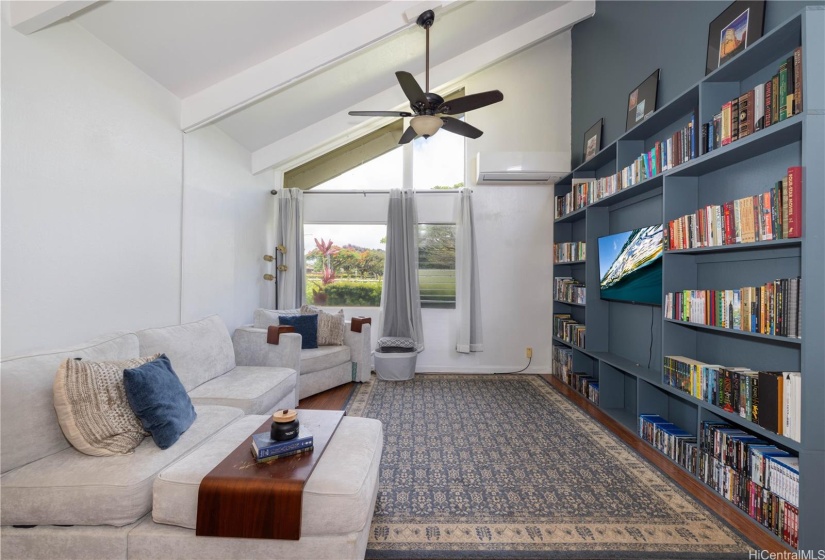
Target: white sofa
(59, 503)
(319, 368)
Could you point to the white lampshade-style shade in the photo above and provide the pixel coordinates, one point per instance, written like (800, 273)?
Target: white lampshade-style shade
(426, 125)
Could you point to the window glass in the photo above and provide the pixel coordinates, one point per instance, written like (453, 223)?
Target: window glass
(382, 173)
(438, 161)
(436, 265)
(345, 267)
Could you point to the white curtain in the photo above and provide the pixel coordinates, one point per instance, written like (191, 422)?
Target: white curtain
(468, 291)
(291, 284)
(400, 298)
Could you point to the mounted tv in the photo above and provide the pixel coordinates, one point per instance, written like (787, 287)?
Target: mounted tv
(630, 266)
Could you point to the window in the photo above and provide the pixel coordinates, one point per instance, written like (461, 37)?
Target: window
(345, 267)
(436, 265)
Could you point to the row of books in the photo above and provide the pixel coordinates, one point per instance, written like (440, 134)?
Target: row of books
(566, 288)
(584, 383)
(766, 104)
(569, 252)
(771, 309)
(678, 444)
(266, 449)
(759, 478)
(664, 155)
(567, 329)
(776, 214)
(769, 399)
(586, 191)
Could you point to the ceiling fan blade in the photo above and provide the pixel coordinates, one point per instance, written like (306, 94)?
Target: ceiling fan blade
(460, 127)
(411, 88)
(380, 114)
(408, 135)
(470, 102)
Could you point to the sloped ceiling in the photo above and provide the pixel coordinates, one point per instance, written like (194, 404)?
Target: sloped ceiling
(280, 76)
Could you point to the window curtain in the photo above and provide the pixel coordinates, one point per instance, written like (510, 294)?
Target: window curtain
(468, 291)
(291, 284)
(400, 297)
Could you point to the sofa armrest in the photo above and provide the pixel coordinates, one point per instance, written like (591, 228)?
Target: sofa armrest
(359, 345)
(251, 349)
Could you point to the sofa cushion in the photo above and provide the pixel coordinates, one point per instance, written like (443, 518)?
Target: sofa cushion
(159, 400)
(330, 325)
(255, 390)
(92, 408)
(337, 497)
(70, 488)
(265, 318)
(324, 357)
(27, 398)
(306, 326)
(200, 351)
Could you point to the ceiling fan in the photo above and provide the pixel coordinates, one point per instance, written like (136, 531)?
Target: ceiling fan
(430, 109)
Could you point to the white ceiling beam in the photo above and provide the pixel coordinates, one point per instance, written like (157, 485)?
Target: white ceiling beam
(27, 17)
(338, 129)
(297, 63)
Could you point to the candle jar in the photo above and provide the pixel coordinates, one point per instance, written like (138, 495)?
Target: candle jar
(284, 425)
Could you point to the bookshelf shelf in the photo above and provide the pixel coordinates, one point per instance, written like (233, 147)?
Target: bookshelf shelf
(623, 338)
(643, 187)
(569, 303)
(569, 263)
(754, 145)
(735, 332)
(755, 246)
(736, 419)
(572, 216)
(629, 366)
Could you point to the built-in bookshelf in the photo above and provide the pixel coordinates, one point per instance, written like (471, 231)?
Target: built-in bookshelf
(779, 327)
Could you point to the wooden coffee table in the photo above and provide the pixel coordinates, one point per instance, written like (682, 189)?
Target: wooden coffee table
(243, 498)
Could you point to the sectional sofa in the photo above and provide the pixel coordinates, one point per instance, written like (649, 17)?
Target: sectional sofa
(59, 503)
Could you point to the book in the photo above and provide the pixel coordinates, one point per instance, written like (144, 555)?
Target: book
(734, 119)
(286, 454)
(789, 91)
(745, 114)
(759, 107)
(770, 395)
(794, 201)
(775, 99)
(726, 124)
(264, 447)
(797, 80)
(768, 120)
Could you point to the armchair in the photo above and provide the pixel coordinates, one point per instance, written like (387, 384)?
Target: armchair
(319, 368)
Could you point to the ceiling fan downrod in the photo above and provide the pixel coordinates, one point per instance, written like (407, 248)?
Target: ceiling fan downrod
(426, 20)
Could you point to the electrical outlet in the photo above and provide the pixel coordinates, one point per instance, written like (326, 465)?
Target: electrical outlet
(529, 352)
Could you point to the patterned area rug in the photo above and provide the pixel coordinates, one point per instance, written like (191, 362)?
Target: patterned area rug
(483, 466)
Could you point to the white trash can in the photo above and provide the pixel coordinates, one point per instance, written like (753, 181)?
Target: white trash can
(395, 359)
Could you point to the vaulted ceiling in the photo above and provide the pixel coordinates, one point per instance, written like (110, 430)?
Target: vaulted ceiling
(280, 76)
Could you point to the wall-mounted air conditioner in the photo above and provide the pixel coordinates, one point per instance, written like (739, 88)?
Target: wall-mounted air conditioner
(521, 167)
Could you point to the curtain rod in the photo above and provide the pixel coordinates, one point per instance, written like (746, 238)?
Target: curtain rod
(365, 193)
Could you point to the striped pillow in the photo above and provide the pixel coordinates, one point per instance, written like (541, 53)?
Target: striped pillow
(92, 408)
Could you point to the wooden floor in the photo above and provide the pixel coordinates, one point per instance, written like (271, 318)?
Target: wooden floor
(337, 398)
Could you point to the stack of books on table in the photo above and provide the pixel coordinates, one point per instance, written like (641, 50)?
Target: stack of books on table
(266, 449)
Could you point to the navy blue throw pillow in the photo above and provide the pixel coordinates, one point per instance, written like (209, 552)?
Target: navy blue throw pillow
(159, 400)
(306, 326)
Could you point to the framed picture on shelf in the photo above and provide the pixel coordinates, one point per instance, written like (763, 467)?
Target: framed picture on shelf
(641, 102)
(733, 31)
(593, 140)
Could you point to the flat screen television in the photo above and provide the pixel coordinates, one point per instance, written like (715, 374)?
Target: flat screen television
(630, 266)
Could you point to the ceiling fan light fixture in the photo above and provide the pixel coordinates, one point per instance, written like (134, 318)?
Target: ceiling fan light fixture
(426, 125)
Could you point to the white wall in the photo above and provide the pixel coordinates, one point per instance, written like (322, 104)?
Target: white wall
(225, 215)
(91, 192)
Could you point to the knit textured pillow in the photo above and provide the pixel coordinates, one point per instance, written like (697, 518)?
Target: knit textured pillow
(330, 325)
(92, 408)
